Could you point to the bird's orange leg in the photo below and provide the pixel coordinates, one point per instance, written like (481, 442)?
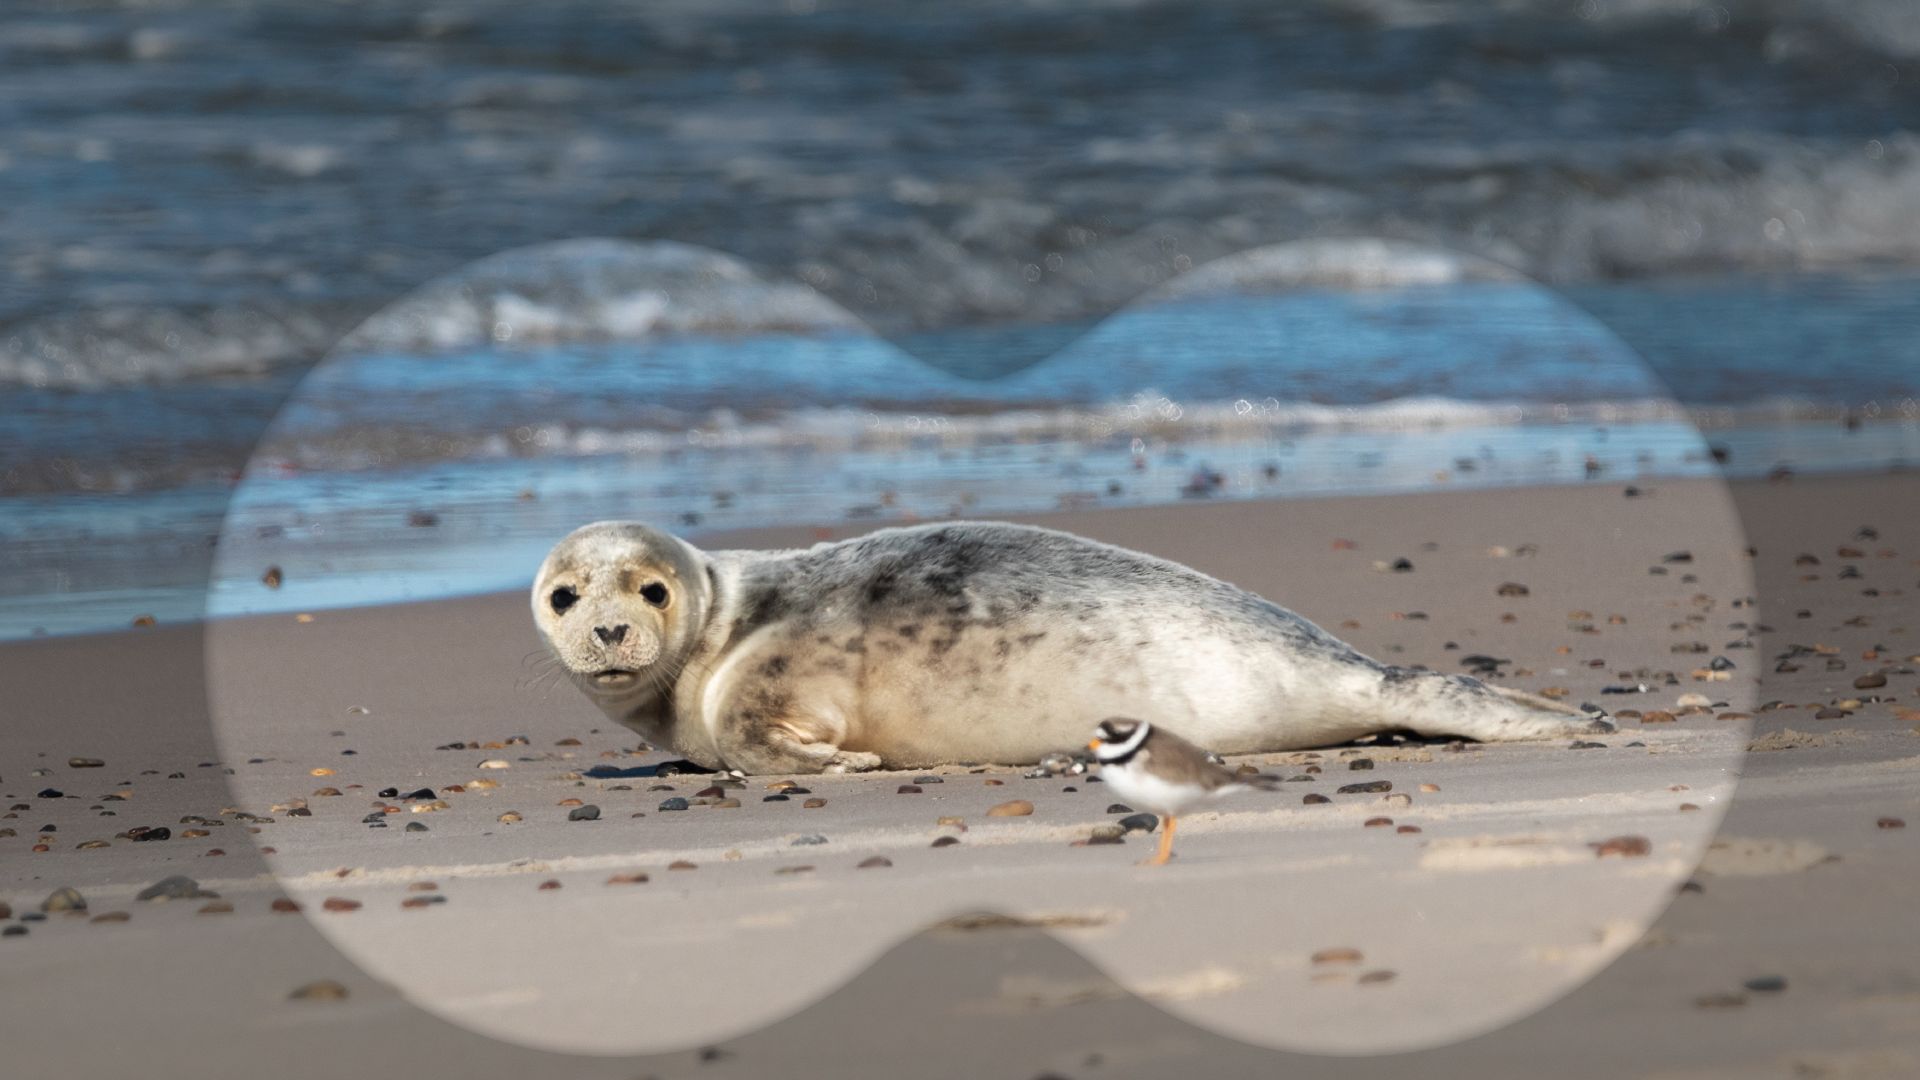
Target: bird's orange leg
(1166, 845)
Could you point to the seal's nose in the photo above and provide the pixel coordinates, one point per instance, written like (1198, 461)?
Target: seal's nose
(611, 635)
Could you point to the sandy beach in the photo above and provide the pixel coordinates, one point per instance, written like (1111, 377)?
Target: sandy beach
(1715, 890)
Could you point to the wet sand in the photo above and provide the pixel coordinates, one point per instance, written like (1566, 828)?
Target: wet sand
(1505, 899)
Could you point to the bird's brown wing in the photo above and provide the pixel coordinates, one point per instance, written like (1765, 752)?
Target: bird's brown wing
(1181, 762)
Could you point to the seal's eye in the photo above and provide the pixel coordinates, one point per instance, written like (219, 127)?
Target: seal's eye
(562, 599)
(654, 593)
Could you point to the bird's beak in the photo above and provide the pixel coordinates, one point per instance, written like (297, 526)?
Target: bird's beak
(1095, 745)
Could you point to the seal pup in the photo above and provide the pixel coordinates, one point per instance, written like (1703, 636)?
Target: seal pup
(966, 642)
(1154, 769)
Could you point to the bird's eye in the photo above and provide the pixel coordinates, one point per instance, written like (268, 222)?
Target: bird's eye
(654, 593)
(562, 599)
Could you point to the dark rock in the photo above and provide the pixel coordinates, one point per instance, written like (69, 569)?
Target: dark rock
(177, 887)
(1119, 808)
(1371, 787)
(675, 803)
(1140, 823)
(591, 812)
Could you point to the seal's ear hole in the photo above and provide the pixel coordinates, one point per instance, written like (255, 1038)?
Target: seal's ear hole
(654, 593)
(562, 599)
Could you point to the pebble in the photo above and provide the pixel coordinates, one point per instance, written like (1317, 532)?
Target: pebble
(496, 763)
(545, 885)
(1623, 846)
(1377, 822)
(635, 878)
(1766, 984)
(215, 907)
(1871, 681)
(907, 789)
(84, 763)
(1513, 588)
(13, 930)
(1376, 977)
(682, 864)
(177, 887)
(1360, 764)
(675, 803)
(1107, 833)
(64, 899)
(945, 841)
(734, 804)
(1139, 823)
(809, 840)
(90, 845)
(591, 812)
(928, 780)
(1368, 788)
(509, 817)
(1339, 954)
(874, 862)
(416, 826)
(1891, 823)
(1119, 808)
(285, 905)
(774, 798)
(323, 990)
(955, 822)
(339, 903)
(1314, 800)
(801, 869)
(1012, 808)
(423, 901)
(111, 916)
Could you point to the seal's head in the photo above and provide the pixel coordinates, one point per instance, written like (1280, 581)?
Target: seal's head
(621, 605)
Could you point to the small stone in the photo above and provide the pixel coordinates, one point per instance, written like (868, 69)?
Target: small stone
(928, 780)
(416, 826)
(1139, 823)
(546, 885)
(84, 763)
(809, 840)
(1377, 822)
(634, 878)
(1119, 808)
(1871, 681)
(1657, 716)
(801, 869)
(1376, 977)
(509, 817)
(1338, 955)
(215, 907)
(675, 803)
(496, 763)
(1625, 846)
(423, 886)
(1513, 588)
(907, 789)
(1107, 832)
(324, 990)
(591, 812)
(1360, 764)
(111, 916)
(810, 804)
(874, 862)
(945, 841)
(284, 905)
(1890, 823)
(775, 798)
(1766, 984)
(1314, 799)
(64, 899)
(177, 887)
(682, 864)
(416, 902)
(339, 903)
(1371, 787)
(1013, 808)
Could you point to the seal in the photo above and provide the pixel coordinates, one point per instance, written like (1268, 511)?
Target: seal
(967, 642)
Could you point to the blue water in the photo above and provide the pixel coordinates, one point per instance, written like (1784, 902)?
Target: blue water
(390, 476)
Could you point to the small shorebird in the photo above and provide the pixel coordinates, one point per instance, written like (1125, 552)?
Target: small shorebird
(1154, 769)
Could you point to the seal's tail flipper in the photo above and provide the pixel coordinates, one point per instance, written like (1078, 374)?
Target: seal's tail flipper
(1459, 705)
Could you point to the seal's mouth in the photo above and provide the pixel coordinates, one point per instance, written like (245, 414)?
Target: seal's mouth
(614, 679)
